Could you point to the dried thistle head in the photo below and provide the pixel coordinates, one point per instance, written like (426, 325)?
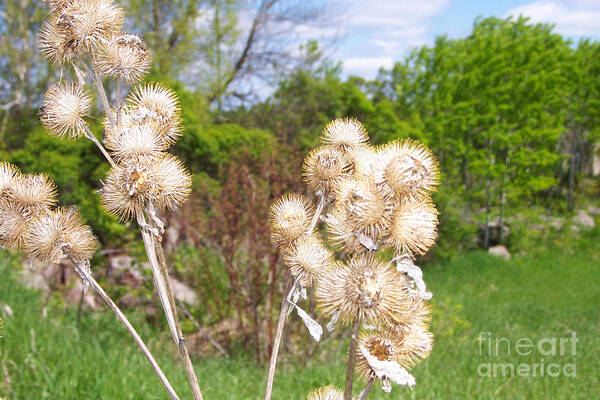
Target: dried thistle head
(366, 289)
(32, 193)
(308, 259)
(130, 141)
(65, 106)
(158, 106)
(324, 167)
(342, 233)
(55, 44)
(409, 168)
(8, 173)
(128, 187)
(173, 183)
(406, 347)
(414, 227)
(366, 210)
(13, 226)
(344, 134)
(326, 393)
(57, 234)
(124, 57)
(290, 219)
(89, 22)
(56, 6)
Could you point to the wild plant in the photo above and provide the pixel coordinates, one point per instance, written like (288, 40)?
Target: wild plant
(369, 199)
(85, 38)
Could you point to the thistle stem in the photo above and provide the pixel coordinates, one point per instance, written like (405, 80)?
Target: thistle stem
(111, 304)
(179, 340)
(90, 135)
(351, 360)
(118, 102)
(365, 392)
(100, 87)
(285, 307)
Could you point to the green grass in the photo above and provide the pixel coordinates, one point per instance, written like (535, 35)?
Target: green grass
(546, 294)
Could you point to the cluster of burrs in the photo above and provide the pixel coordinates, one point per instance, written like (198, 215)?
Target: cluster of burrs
(85, 36)
(30, 221)
(138, 132)
(370, 198)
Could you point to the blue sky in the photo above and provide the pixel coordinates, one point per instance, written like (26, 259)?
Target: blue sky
(378, 33)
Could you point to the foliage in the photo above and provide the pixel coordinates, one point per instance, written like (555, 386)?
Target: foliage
(233, 267)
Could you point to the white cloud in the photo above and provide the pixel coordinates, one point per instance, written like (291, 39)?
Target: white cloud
(381, 31)
(367, 66)
(572, 18)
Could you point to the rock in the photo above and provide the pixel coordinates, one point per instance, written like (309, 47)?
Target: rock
(594, 210)
(127, 271)
(33, 279)
(584, 219)
(554, 222)
(499, 251)
(183, 292)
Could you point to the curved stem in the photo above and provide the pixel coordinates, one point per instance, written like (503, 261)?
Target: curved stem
(365, 392)
(90, 135)
(285, 307)
(180, 341)
(111, 304)
(100, 87)
(283, 313)
(318, 211)
(351, 361)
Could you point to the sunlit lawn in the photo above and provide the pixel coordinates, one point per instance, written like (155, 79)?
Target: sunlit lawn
(549, 295)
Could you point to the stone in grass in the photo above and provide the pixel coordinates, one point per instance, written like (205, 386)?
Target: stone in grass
(584, 219)
(594, 210)
(499, 251)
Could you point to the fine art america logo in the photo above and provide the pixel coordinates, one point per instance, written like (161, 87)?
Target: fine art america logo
(548, 347)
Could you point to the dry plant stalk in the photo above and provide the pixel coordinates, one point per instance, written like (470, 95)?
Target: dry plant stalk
(86, 36)
(372, 199)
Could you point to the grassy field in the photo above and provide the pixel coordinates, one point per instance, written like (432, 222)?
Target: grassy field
(543, 296)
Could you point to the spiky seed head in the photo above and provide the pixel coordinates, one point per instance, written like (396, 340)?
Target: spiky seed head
(90, 22)
(345, 133)
(406, 347)
(308, 259)
(127, 188)
(125, 57)
(409, 168)
(366, 290)
(342, 233)
(157, 105)
(326, 393)
(365, 208)
(32, 193)
(55, 44)
(290, 219)
(8, 173)
(56, 6)
(57, 234)
(65, 106)
(414, 227)
(324, 167)
(364, 158)
(13, 225)
(173, 183)
(131, 141)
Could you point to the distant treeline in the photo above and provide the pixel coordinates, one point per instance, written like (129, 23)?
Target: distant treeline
(512, 112)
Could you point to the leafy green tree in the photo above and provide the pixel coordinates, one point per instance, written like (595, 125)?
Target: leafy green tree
(492, 107)
(583, 109)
